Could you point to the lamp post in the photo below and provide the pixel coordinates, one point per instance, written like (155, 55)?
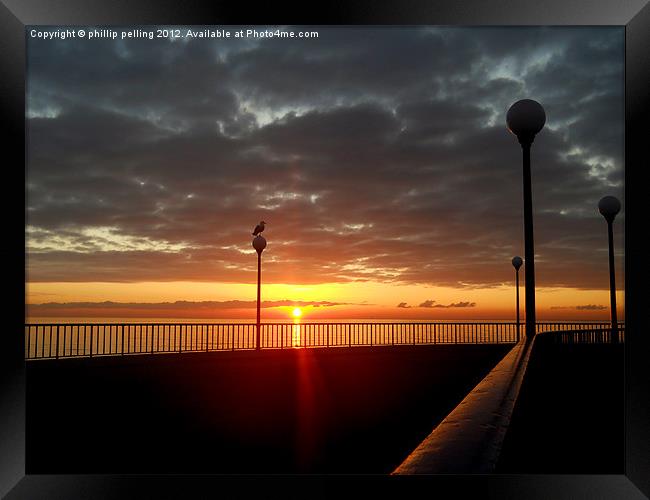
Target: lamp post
(259, 244)
(525, 119)
(609, 206)
(516, 263)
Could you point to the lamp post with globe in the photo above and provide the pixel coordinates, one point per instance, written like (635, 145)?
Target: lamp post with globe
(525, 119)
(259, 244)
(516, 263)
(609, 207)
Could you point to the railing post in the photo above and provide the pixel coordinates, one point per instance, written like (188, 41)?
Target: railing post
(57, 342)
(91, 339)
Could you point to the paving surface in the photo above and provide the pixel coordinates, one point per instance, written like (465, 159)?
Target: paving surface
(348, 410)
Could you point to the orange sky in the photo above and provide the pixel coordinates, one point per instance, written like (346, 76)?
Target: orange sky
(380, 300)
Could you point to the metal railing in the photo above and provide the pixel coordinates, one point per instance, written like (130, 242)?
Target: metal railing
(69, 340)
(589, 336)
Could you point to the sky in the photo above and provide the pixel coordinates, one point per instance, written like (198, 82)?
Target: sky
(379, 158)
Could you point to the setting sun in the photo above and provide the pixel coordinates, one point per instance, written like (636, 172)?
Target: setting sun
(297, 312)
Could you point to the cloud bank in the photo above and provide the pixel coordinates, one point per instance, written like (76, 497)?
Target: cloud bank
(431, 304)
(373, 154)
(180, 308)
(586, 307)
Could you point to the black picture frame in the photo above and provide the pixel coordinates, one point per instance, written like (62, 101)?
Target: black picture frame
(633, 14)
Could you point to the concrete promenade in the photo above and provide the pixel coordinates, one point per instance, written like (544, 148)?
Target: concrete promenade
(569, 418)
(339, 410)
(553, 405)
(469, 439)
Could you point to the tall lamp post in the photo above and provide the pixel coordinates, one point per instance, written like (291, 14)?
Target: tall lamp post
(609, 206)
(525, 119)
(259, 244)
(516, 263)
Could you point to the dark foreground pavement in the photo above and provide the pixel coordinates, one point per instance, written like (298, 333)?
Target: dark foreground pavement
(569, 418)
(347, 410)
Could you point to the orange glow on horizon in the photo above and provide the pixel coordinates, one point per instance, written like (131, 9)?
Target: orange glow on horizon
(326, 301)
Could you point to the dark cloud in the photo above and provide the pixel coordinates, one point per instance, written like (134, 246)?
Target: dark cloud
(178, 309)
(374, 154)
(432, 304)
(184, 304)
(461, 304)
(403, 305)
(587, 307)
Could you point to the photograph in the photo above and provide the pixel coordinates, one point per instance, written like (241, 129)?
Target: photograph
(346, 204)
(338, 250)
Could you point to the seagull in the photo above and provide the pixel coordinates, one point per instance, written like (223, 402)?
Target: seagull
(259, 228)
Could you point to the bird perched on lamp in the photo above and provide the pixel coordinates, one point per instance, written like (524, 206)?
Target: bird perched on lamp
(259, 228)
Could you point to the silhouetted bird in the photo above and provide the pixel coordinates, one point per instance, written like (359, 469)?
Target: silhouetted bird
(259, 228)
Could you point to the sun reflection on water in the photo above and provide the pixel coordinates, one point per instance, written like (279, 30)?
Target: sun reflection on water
(295, 333)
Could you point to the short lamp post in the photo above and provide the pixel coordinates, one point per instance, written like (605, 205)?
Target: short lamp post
(525, 119)
(609, 207)
(259, 244)
(516, 263)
